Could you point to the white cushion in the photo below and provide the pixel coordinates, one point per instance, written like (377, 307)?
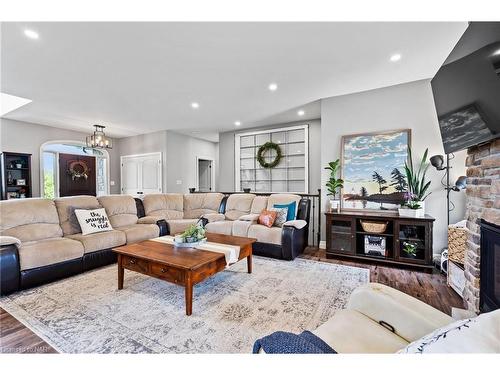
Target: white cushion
(476, 335)
(298, 224)
(93, 221)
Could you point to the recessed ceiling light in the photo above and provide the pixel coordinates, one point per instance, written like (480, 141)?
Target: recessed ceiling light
(195, 105)
(273, 86)
(31, 34)
(496, 53)
(301, 112)
(237, 123)
(395, 57)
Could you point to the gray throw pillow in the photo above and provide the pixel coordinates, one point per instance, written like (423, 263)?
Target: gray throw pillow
(281, 214)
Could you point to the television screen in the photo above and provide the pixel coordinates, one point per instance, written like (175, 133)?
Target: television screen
(467, 89)
(463, 128)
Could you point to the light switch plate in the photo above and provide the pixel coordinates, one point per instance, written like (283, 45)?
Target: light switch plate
(179, 182)
(112, 183)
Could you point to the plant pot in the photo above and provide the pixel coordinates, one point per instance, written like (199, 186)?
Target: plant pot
(408, 212)
(335, 205)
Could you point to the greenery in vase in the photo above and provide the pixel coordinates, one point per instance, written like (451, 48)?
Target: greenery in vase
(416, 179)
(411, 204)
(410, 249)
(334, 184)
(194, 232)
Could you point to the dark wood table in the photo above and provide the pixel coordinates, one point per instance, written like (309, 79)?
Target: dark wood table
(181, 266)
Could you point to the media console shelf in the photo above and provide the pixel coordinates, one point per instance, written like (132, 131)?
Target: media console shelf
(346, 238)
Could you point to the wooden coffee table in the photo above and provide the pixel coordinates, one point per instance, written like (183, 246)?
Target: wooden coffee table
(181, 266)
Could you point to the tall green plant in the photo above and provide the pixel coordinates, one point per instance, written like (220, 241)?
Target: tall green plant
(334, 184)
(417, 183)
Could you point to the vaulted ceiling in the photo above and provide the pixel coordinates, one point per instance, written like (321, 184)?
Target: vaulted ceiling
(142, 77)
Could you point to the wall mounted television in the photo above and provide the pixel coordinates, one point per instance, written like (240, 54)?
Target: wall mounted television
(467, 89)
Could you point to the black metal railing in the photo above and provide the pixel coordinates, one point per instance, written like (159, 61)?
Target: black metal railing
(315, 215)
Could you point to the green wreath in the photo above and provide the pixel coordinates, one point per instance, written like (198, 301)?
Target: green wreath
(266, 147)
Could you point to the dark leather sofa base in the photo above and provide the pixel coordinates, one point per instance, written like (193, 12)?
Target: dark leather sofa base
(42, 275)
(267, 250)
(9, 273)
(98, 259)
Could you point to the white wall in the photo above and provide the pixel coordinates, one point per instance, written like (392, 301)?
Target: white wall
(403, 106)
(182, 151)
(226, 154)
(24, 137)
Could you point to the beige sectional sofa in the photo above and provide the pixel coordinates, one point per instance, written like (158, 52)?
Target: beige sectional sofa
(49, 243)
(234, 214)
(46, 242)
(180, 210)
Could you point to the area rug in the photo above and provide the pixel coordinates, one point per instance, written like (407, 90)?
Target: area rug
(87, 314)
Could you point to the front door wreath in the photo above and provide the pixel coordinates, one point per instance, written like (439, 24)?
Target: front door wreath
(268, 146)
(78, 169)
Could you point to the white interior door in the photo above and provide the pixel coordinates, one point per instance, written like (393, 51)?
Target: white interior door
(141, 174)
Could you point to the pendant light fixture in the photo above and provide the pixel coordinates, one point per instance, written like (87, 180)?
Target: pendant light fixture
(99, 139)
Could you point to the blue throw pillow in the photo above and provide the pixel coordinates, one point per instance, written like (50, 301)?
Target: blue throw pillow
(291, 209)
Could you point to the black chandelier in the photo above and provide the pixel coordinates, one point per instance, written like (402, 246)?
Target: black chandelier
(99, 139)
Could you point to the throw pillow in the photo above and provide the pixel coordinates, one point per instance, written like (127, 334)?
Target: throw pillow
(291, 209)
(475, 335)
(267, 218)
(73, 220)
(281, 215)
(93, 221)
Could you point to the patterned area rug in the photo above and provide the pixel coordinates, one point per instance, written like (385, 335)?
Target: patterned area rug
(87, 314)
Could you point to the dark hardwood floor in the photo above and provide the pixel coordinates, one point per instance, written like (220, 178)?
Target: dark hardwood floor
(429, 288)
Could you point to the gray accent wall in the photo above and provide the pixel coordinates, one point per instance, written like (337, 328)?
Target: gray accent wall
(405, 106)
(25, 137)
(226, 154)
(182, 151)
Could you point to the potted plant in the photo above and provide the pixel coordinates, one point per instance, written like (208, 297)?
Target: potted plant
(409, 249)
(417, 185)
(411, 207)
(334, 184)
(192, 236)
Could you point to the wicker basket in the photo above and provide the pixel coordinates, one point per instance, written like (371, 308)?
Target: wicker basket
(374, 226)
(457, 244)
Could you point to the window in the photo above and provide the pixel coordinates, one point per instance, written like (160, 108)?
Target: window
(49, 175)
(290, 175)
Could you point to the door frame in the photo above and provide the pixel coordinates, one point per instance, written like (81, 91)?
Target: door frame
(56, 182)
(159, 153)
(197, 171)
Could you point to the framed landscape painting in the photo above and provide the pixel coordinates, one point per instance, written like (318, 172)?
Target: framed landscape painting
(373, 170)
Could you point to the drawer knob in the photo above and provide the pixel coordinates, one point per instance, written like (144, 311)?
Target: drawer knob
(132, 261)
(163, 270)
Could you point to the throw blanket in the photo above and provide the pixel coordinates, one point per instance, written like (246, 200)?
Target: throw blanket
(231, 252)
(289, 343)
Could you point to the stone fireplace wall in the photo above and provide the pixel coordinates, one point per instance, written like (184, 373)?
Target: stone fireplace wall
(482, 202)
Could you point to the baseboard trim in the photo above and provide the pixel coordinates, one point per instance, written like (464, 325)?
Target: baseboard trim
(322, 244)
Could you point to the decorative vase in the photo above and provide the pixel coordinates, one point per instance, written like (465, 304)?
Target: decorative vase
(335, 205)
(409, 212)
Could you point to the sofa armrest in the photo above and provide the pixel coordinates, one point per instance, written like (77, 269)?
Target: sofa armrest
(409, 317)
(297, 224)
(293, 241)
(9, 268)
(162, 223)
(213, 217)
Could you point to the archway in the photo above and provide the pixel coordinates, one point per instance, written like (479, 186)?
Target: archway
(49, 166)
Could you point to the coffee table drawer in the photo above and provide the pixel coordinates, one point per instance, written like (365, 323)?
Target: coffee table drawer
(135, 264)
(167, 273)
